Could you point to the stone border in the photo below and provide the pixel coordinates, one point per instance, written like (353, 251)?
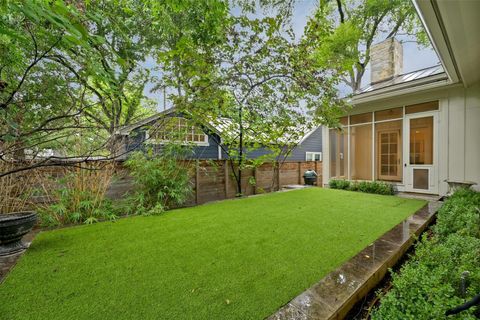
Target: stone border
(337, 293)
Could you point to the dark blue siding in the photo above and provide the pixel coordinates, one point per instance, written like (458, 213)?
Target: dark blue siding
(136, 142)
(313, 143)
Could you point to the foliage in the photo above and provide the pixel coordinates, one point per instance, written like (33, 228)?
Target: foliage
(274, 245)
(430, 283)
(376, 187)
(339, 184)
(342, 32)
(161, 181)
(80, 197)
(260, 86)
(460, 214)
(16, 190)
(73, 72)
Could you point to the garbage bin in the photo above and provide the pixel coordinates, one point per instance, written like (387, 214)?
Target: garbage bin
(310, 177)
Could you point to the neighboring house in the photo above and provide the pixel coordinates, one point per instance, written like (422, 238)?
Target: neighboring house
(420, 129)
(207, 142)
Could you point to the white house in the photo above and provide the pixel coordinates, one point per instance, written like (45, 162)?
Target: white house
(421, 129)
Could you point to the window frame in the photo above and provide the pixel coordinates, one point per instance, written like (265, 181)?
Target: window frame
(192, 128)
(313, 154)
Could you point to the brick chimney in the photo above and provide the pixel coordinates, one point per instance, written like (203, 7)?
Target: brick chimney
(386, 60)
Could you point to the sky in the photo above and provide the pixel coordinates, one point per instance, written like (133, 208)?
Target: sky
(414, 58)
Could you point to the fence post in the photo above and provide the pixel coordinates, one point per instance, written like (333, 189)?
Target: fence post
(255, 178)
(278, 175)
(197, 180)
(225, 172)
(299, 172)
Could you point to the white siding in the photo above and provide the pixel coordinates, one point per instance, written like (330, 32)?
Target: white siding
(459, 131)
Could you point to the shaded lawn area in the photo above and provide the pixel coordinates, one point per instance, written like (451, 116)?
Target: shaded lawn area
(238, 259)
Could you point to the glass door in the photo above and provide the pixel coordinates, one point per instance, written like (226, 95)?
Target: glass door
(420, 163)
(389, 155)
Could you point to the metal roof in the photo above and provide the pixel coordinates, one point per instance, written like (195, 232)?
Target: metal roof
(403, 78)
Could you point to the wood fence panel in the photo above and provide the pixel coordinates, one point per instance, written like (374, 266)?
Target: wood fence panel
(213, 180)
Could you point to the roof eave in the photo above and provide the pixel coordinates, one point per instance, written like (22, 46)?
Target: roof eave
(430, 17)
(424, 84)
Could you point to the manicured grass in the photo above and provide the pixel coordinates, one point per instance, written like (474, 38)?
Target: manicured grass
(239, 259)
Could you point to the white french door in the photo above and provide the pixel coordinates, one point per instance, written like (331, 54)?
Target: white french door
(420, 158)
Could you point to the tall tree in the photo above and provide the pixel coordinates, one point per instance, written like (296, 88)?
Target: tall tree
(343, 31)
(264, 90)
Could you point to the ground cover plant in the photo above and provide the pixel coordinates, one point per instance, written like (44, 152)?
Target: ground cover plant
(235, 259)
(430, 283)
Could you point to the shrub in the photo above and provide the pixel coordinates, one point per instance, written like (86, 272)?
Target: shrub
(160, 182)
(80, 198)
(376, 187)
(17, 189)
(460, 214)
(430, 282)
(339, 184)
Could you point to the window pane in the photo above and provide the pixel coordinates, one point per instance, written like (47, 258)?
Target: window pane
(361, 118)
(361, 152)
(421, 140)
(344, 121)
(396, 113)
(422, 107)
(388, 152)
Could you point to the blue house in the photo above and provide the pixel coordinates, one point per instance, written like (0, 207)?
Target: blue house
(154, 131)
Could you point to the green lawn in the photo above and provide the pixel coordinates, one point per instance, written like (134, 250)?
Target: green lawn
(239, 259)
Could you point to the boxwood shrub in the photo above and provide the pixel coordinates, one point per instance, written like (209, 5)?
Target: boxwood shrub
(430, 282)
(376, 187)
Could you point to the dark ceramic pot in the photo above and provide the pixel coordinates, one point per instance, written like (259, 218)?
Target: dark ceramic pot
(12, 228)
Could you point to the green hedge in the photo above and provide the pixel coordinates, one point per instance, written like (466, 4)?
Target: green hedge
(376, 187)
(429, 283)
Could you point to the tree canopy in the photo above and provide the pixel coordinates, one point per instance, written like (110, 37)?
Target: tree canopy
(73, 72)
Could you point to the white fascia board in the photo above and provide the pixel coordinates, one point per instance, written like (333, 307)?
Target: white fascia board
(433, 25)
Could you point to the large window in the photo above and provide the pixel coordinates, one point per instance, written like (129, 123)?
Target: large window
(361, 152)
(177, 129)
(369, 146)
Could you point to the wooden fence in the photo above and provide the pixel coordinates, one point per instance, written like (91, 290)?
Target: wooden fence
(213, 180)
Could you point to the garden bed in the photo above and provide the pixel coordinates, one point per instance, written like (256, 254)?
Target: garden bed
(430, 283)
(240, 259)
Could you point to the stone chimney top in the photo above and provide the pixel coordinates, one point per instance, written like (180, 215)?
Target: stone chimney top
(386, 60)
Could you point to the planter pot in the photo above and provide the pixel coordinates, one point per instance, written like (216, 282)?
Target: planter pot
(12, 228)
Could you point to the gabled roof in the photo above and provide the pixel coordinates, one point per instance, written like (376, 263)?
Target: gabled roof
(221, 126)
(406, 77)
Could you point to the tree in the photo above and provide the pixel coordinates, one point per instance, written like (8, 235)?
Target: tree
(261, 89)
(38, 103)
(70, 72)
(342, 32)
(117, 61)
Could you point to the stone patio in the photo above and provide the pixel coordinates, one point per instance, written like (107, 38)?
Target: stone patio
(335, 295)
